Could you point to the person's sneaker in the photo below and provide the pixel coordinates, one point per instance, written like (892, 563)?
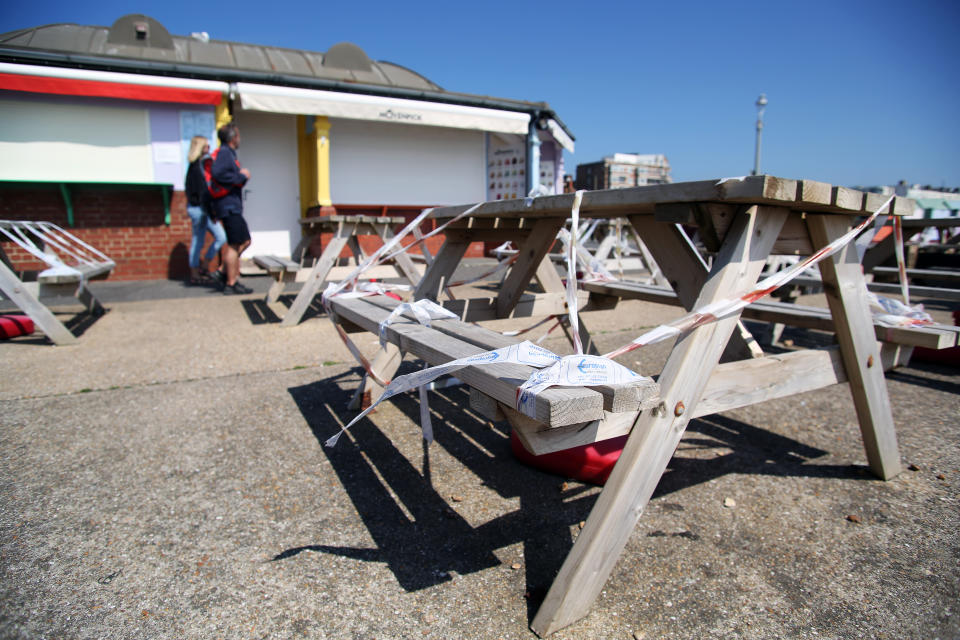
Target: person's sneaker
(218, 280)
(236, 289)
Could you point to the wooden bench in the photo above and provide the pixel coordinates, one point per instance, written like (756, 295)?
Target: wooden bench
(604, 295)
(282, 270)
(72, 264)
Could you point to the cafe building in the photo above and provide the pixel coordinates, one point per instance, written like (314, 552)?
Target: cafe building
(95, 123)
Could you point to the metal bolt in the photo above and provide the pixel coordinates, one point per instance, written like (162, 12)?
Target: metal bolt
(679, 409)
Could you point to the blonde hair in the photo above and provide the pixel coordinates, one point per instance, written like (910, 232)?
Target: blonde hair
(196, 148)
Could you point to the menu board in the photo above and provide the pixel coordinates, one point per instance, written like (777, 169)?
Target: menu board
(548, 176)
(506, 168)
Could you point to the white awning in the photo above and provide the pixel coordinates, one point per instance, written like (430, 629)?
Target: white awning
(560, 135)
(259, 97)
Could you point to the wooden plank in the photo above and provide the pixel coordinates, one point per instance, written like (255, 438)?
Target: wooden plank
(935, 336)
(941, 293)
(740, 384)
(441, 270)
(538, 441)
(811, 191)
(556, 406)
(267, 263)
(532, 253)
(686, 272)
(88, 300)
(849, 199)
(794, 239)
(640, 200)
(486, 406)
(318, 275)
(932, 274)
(548, 278)
(530, 305)
(656, 434)
(616, 398)
(42, 317)
(329, 221)
(732, 385)
(846, 294)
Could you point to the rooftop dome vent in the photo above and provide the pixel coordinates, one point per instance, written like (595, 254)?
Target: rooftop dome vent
(139, 30)
(349, 56)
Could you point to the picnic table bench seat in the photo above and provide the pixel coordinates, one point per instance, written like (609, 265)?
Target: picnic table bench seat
(560, 409)
(935, 336)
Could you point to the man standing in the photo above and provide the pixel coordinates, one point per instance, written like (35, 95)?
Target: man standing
(230, 177)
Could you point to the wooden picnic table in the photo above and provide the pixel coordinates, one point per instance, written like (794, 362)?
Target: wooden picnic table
(314, 272)
(742, 222)
(71, 263)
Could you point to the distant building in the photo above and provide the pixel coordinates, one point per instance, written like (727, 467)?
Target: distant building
(623, 170)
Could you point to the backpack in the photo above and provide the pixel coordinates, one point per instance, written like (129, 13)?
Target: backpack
(216, 189)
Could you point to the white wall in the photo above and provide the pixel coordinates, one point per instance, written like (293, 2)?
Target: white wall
(59, 141)
(382, 163)
(268, 147)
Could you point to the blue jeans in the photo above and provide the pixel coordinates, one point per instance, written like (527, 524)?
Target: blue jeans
(202, 223)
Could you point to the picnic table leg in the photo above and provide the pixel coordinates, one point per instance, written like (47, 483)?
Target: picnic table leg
(15, 290)
(385, 365)
(388, 358)
(657, 433)
(318, 274)
(531, 253)
(441, 269)
(85, 296)
(280, 281)
(846, 292)
(686, 272)
(403, 263)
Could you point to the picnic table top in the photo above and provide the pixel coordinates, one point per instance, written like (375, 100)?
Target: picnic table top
(337, 218)
(807, 195)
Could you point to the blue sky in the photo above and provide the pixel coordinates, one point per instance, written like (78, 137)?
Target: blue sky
(860, 93)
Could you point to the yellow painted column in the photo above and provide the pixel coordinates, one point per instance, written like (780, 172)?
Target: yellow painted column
(305, 165)
(321, 132)
(222, 112)
(313, 161)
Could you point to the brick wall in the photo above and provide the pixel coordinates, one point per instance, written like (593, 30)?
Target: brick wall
(126, 223)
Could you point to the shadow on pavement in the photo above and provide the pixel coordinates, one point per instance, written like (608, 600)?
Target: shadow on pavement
(424, 547)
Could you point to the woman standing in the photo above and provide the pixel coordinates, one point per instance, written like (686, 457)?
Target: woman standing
(198, 203)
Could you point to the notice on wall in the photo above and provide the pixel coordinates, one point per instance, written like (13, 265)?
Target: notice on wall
(166, 152)
(548, 176)
(506, 167)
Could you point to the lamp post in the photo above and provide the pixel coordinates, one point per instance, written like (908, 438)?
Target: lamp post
(761, 105)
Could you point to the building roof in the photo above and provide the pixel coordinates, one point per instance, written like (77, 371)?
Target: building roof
(345, 62)
(139, 43)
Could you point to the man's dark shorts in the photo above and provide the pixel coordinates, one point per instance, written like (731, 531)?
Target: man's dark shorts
(236, 228)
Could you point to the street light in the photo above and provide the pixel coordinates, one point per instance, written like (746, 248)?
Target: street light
(761, 105)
